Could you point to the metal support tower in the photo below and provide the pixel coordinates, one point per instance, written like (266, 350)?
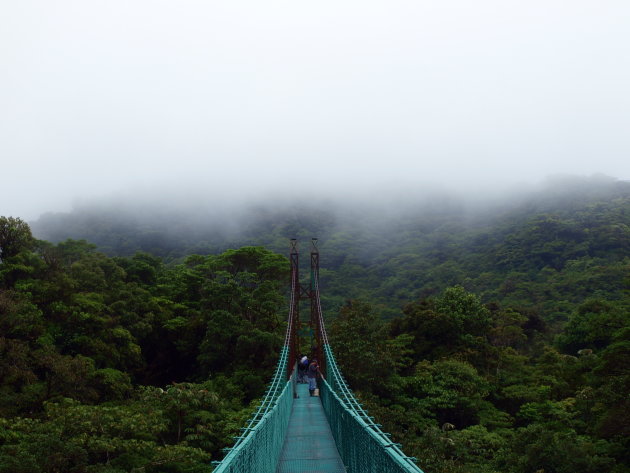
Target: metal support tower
(302, 292)
(295, 309)
(313, 293)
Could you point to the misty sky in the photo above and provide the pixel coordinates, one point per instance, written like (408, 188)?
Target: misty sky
(100, 96)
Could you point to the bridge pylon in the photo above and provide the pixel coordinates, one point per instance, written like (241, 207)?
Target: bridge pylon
(315, 309)
(310, 293)
(294, 342)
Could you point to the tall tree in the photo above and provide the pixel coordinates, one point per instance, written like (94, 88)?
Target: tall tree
(15, 236)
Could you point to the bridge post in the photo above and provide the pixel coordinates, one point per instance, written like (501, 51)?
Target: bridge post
(313, 296)
(294, 312)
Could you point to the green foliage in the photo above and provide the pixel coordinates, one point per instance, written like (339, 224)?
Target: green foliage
(452, 391)
(74, 437)
(593, 326)
(468, 394)
(537, 448)
(358, 336)
(85, 341)
(510, 353)
(465, 310)
(15, 237)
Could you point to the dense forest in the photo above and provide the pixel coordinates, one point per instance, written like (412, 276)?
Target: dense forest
(487, 338)
(124, 364)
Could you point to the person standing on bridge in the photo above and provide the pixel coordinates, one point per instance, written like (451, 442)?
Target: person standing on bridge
(302, 368)
(313, 369)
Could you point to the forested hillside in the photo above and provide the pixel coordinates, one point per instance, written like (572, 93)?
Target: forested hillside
(544, 251)
(486, 337)
(123, 364)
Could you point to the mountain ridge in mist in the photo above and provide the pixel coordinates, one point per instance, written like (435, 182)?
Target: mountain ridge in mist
(179, 225)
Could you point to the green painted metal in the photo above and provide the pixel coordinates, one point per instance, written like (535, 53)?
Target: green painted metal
(364, 447)
(309, 445)
(258, 448)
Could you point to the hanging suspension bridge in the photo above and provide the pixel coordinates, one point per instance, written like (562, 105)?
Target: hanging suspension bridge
(293, 432)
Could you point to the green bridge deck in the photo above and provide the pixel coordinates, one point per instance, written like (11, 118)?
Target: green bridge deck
(309, 446)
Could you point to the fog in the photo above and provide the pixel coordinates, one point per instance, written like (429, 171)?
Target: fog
(211, 103)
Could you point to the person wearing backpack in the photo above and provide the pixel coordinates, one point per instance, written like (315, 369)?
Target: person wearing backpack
(302, 368)
(313, 369)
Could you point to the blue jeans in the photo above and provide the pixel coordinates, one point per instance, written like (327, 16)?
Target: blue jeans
(312, 384)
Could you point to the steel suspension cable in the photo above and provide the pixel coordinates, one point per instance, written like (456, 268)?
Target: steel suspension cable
(344, 395)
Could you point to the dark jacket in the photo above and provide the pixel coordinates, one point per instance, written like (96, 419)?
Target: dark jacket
(312, 370)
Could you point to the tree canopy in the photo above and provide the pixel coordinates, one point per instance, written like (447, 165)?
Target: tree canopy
(486, 345)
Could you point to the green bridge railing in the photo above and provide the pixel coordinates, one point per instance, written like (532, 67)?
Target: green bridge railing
(363, 446)
(258, 448)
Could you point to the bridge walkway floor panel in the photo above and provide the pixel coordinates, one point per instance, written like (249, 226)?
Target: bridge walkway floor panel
(309, 446)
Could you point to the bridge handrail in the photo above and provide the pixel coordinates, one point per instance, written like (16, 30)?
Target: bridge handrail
(258, 449)
(362, 449)
(342, 393)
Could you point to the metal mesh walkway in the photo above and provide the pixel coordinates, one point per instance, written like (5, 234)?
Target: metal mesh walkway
(309, 446)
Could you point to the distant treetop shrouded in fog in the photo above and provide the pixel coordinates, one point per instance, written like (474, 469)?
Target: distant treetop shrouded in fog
(176, 225)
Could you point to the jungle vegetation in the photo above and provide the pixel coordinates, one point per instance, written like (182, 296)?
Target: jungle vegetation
(493, 342)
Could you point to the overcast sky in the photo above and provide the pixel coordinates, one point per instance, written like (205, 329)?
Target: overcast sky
(98, 97)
